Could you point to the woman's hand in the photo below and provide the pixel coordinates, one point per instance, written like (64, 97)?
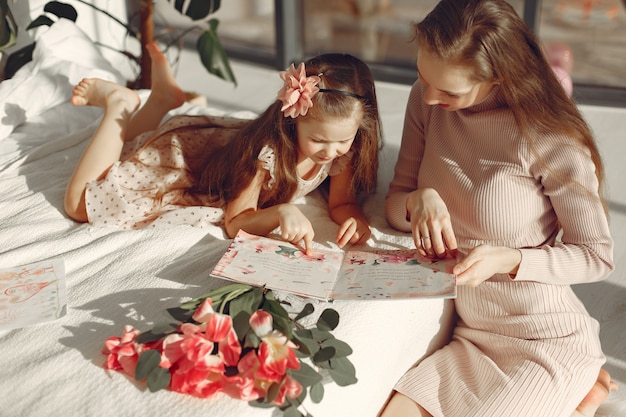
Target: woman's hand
(482, 262)
(295, 227)
(430, 224)
(353, 231)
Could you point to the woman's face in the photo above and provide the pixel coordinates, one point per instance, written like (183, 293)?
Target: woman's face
(449, 86)
(324, 140)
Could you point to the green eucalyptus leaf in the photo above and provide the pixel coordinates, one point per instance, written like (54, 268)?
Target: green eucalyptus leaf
(306, 375)
(321, 335)
(317, 393)
(306, 346)
(304, 333)
(241, 324)
(217, 295)
(247, 302)
(180, 314)
(292, 411)
(147, 362)
(272, 392)
(324, 354)
(251, 340)
(342, 372)
(328, 320)
(61, 10)
(342, 349)
(260, 403)
(307, 310)
(213, 56)
(158, 379)
(159, 331)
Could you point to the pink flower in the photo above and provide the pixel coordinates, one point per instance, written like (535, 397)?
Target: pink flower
(297, 92)
(123, 352)
(219, 328)
(288, 388)
(275, 351)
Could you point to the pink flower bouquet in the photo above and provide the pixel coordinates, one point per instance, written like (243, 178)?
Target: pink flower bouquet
(238, 340)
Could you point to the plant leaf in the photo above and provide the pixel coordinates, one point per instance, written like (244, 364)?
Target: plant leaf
(306, 346)
(307, 310)
(292, 411)
(342, 349)
(324, 354)
(342, 372)
(328, 320)
(159, 331)
(200, 9)
(317, 393)
(158, 379)
(63, 10)
(146, 363)
(247, 302)
(306, 375)
(40, 21)
(212, 54)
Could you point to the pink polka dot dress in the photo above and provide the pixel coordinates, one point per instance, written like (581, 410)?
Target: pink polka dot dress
(150, 184)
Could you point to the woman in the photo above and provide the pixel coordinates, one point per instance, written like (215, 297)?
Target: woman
(498, 168)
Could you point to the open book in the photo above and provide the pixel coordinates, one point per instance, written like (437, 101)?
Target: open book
(335, 275)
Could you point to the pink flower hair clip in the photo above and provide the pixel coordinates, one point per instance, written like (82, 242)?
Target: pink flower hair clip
(297, 92)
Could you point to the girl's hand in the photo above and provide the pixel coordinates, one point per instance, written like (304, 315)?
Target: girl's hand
(482, 262)
(430, 224)
(295, 227)
(353, 231)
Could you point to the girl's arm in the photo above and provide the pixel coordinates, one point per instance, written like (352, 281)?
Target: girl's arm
(242, 213)
(346, 212)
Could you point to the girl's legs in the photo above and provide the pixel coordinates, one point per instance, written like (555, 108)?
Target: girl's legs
(402, 406)
(119, 123)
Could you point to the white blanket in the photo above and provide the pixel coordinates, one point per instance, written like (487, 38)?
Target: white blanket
(117, 277)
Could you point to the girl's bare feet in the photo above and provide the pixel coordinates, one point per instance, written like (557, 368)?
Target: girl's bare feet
(598, 394)
(164, 89)
(105, 94)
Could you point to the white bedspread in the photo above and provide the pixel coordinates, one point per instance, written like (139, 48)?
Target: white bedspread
(117, 277)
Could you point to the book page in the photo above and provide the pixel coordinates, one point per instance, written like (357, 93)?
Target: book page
(279, 265)
(32, 294)
(382, 274)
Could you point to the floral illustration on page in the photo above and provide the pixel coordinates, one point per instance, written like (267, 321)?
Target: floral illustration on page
(32, 294)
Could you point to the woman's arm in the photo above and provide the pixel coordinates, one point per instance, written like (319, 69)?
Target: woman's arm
(242, 213)
(346, 212)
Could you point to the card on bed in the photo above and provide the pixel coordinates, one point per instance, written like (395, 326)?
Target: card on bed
(335, 275)
(32, 293)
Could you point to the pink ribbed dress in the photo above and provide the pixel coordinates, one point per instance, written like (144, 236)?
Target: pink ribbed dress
(524, 346)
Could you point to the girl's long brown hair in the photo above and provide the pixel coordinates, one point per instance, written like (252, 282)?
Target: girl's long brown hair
(229, 170)
(489, 36)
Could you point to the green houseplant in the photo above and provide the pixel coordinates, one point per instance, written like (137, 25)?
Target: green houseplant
(140, 26)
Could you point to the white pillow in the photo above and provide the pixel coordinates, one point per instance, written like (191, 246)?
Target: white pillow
(63, 55)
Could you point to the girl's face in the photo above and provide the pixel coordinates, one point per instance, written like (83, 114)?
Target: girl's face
(449, 86)
(324, 140)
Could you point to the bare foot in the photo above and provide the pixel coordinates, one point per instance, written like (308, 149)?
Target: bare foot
(105, 94)
(164, 88)
(598, 394)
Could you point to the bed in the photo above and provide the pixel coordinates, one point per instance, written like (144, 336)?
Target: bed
(116, 277)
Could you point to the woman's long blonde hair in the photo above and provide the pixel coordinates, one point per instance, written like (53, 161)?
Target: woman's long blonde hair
(489, 36)
(229, 170)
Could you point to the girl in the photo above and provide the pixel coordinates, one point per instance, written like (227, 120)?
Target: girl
(242, 173)
(498, 165)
